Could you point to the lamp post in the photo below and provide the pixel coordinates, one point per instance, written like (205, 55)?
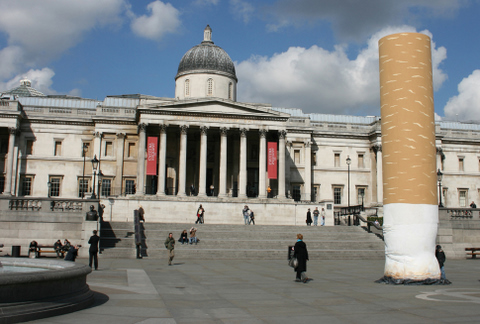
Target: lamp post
(84, 152)
(439, 177)
(49, 184)
(349, 161)
(95, 162)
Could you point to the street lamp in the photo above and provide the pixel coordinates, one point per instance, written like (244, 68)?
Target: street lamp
(95, 162)
(49, 184)
(84, 152)
(349, 161)
(439, 177)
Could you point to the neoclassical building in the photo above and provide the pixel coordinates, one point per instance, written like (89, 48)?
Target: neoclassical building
(203, 144)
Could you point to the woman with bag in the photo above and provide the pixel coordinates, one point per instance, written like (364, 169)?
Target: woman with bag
(301, 254)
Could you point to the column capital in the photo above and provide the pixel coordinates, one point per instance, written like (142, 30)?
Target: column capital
(13, 130)
(97, 134)
(377, 147)
(262, 132)
(282, 134)
(308, 144)
(142, 127)
(183, 129)
(163, 128)
(224, 131)
(243, 132)
(121, 135)
(204, 129)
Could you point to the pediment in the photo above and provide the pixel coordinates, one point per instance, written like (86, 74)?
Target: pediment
(213, 107)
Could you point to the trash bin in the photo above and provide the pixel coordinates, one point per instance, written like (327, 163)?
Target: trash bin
(291, 250)
(16, 251)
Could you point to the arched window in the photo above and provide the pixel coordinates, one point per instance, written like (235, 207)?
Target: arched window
(187, 88)
(209, 87)
(230, 91)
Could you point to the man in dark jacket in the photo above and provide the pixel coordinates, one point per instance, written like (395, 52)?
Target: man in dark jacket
(170, 246)
(301, 254)
(93, 251)
(72, 253)
(440, 255)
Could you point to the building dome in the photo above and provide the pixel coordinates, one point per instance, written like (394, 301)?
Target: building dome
(206, 58)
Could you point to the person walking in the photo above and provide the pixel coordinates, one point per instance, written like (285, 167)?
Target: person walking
(440, 255)
(246, 214)
(301, 253)
(252, 218)
(316, 212)
(322, 222)
(93, 250)
(200, 212)
(309, 218)
(170, 246)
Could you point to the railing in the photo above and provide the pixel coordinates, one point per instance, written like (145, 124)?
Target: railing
(46, 204)
(462, 213)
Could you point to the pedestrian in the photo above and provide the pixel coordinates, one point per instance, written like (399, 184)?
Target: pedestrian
(323, 217)
(309, 218)
(192, 190)
(72, 253)
(440, 255)
(246, 214)
(252, 218)
(301, 254)
(316, 212)
(183, 237)
(473, 205)
(93, 250)
(200, 212)
(269, 192)
(212, 190)
(141, 214)
(170, 246)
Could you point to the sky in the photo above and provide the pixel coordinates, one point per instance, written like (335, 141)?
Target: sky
(320, 56)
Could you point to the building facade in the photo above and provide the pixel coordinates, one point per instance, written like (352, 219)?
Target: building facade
(206, 144)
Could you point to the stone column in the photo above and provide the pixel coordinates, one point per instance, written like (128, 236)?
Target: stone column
(308, 172)
(142, 142)
(262, 164)
(242, 183)
(182, 164)
(9, 169)
(162, 160)
(281, 164)
(97, 151)
(222, 185)
(379, 174)
(119, 164)
(202, 173)
(410, 202)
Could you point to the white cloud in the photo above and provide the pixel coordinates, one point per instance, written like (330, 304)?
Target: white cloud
(321, 81)
(466, 105)
(41, 80)
(162, 18)
(206, 2)
(10, 61)
(241, 9)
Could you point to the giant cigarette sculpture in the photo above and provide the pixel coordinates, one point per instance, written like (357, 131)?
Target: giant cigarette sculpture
(408, 145)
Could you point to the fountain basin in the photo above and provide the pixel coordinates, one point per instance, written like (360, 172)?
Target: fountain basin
(58, 287)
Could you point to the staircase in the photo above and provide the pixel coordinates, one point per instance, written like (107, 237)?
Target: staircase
(242, 241)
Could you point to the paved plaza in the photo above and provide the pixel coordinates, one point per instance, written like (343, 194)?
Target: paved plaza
(230, 291)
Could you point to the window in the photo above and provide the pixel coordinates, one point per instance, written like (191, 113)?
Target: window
(129, 187)
(2, 184)
(82, 187)
(460, 164)
(55, 186)
(4, 145)
(296, 154)
(361, 163)
(314, 158)
(360, 196)
(462, 197)
(337, 195)
(230, 91)
(27, 182)
(209, 87)
(131, 150)
(106, 187)
(337, 160)
(29, 147)
(108, 148)
(187, 88)
(58, 148)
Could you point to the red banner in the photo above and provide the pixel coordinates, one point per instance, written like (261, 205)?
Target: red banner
(272, 160)
(152, 155)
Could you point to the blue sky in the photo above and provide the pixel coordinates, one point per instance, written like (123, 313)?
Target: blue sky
(317, 55)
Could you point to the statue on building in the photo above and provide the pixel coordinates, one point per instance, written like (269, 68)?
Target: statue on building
(92, 215)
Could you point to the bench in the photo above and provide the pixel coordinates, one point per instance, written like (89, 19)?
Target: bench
(45, 249)
(473, 252)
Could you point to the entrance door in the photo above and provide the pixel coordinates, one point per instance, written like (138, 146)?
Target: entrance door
(252, 182)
